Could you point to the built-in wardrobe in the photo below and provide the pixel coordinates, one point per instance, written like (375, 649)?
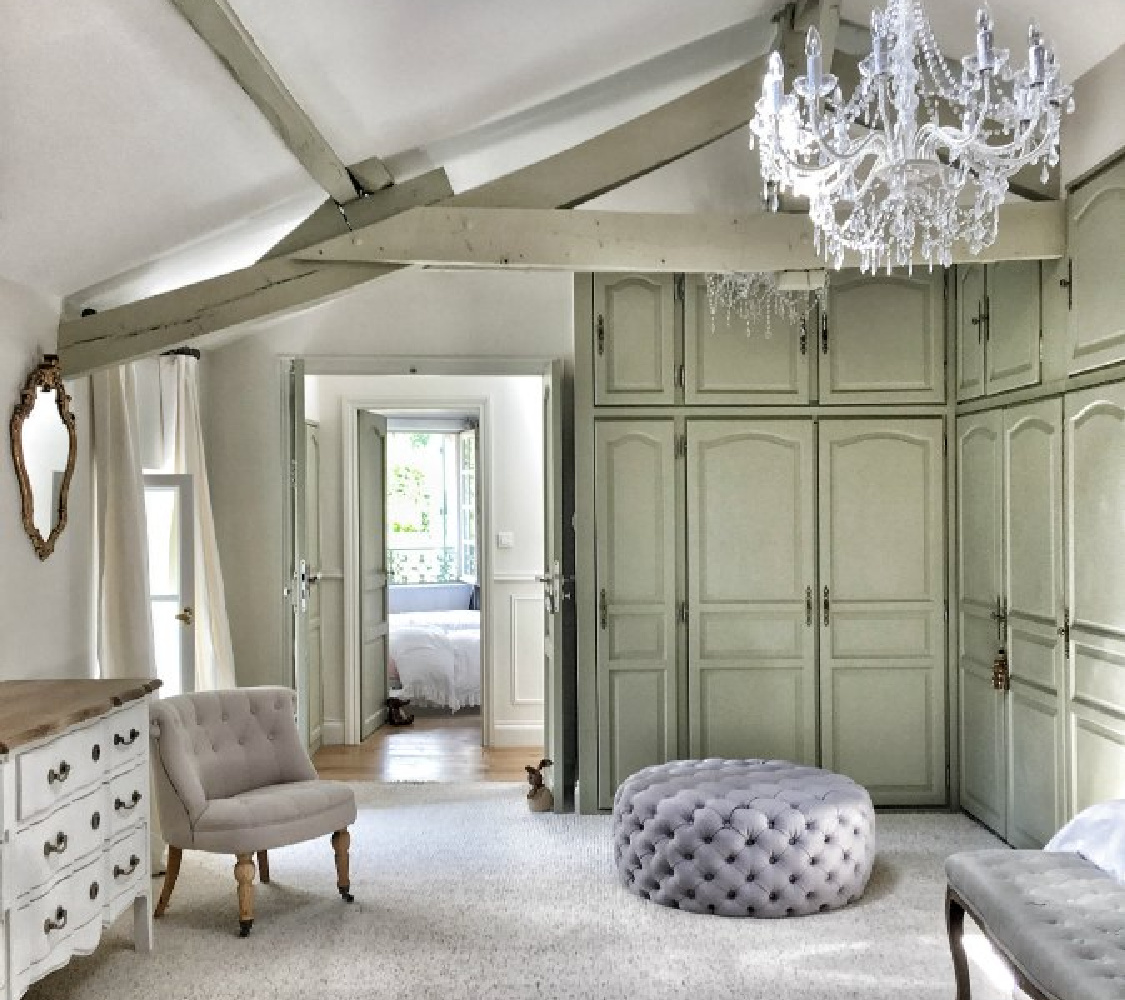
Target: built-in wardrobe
(761, 531)
(1041, 524)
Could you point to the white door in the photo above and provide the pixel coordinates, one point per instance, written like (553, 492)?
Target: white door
(371, 442)
(312, 549)
(728, 359)
(296, 591)
(1033, 582)
(170, 517)
(882, 640)
(1012, 325)
(751, 574)
(637, 682)
(980, 561)
(559, 680)
(1095, 522)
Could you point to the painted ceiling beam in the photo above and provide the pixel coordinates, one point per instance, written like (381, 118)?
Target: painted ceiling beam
(637, 241)
(220, 27)
(569, 178)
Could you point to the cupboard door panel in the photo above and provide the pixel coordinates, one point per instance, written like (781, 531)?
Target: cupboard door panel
(1095, 513)
(1096, 243)
(634, 332)
(1013, 325)
(970, 331)
(1034, 765)
(886, 339)
(751, 641)
(634, 489)
(729, 359)
(881, 572)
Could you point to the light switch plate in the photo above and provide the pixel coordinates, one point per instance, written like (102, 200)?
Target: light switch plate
(505, 540)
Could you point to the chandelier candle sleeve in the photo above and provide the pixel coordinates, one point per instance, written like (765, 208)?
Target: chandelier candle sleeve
(919, 156)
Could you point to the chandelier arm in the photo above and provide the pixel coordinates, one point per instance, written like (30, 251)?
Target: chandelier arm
(839, 157)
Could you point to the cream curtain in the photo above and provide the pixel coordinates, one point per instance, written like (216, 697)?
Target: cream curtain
(125, 647)
(182, 435)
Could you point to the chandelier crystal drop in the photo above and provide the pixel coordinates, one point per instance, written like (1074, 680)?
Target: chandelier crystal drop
(917, 157)
(758, 296)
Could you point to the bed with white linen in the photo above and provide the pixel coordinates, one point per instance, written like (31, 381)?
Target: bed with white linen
(434, 658)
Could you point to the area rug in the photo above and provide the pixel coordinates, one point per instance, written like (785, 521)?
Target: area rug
(462, 892)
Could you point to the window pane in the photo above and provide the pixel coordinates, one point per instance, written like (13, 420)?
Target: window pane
(422, 505)
(162, 515)
(166, 637)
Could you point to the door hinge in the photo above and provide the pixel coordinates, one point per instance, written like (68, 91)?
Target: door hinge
(1068, 282)
(1064, 631)
(682, 612)
(603, 610)
(827, 607)
(946, 611)
(601, 334)
(680, 283)
(681, 376)
(804, 335)
(681, 446)
(824, 334)
(293, 474)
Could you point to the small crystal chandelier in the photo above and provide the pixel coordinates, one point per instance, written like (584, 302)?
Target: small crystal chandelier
(757, 296)
(880, 182)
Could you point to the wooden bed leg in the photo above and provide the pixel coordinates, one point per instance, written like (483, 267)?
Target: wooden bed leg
(955, 925)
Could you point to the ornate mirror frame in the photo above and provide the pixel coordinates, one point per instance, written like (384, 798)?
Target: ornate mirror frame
(45, 376)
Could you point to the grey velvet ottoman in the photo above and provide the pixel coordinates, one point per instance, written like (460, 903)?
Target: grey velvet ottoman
(743, 838)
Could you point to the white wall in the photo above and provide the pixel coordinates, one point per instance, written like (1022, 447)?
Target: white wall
(514, 488)
(414, 313)
(1096, 130)
(46, 608)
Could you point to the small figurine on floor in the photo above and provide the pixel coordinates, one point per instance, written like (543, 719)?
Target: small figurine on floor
(539, 797)
(397, 716)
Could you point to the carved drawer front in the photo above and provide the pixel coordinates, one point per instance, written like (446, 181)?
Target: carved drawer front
(127, 794)
(52, 845)
(125, 862)
(41, 927)
(61, 769)
(126, 734)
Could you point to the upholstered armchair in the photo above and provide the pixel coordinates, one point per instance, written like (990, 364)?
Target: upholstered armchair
(232, 777)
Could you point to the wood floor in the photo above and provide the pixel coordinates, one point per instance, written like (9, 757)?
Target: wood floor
(435, 748)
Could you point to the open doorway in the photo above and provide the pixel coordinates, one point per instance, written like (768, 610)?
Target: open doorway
(463, 557)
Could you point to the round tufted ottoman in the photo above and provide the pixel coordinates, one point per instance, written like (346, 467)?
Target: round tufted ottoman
(743, 838)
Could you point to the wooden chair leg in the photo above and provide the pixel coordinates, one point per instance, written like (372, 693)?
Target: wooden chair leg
(244, 876)
(955, 926)
(264, 867)
(171, 872)
(341, 842)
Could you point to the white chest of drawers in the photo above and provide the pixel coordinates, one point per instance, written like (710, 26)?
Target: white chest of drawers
(74, 821)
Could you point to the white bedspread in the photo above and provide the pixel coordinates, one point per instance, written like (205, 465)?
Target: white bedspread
(436, 657)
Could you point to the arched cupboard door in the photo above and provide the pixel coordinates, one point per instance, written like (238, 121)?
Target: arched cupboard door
(634, 339)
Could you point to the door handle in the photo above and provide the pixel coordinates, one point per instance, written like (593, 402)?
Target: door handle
(808, 606)
(186, 617)
(603, 610)
(826, 606)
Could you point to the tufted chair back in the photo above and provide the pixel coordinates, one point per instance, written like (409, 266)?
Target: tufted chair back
(216, 744)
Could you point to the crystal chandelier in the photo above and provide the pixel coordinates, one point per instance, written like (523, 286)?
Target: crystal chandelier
(916, 157)
(759, 296)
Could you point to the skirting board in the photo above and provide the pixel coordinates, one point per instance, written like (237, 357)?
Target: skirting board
(332, 732)
(517, 734)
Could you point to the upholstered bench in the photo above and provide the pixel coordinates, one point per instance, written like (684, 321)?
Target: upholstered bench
(743, 838)
(1056, 918)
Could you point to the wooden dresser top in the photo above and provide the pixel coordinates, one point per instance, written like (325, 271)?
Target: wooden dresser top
(32, 710)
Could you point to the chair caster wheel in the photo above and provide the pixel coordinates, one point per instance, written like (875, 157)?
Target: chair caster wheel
(346, 894)
(244, 927)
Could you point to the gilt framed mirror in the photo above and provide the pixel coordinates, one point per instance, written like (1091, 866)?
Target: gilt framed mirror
(44, 449)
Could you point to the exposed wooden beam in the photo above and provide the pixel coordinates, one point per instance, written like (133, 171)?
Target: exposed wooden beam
(220, 27)
(635, 241)
(569, 178)
(331, 219)
(162, 321)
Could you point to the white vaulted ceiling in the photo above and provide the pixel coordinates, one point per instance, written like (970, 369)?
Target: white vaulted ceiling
(124, 140)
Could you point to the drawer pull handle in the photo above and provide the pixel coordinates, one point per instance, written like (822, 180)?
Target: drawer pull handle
(57, 847)
(95, 821)
(58, 923)
(121, 805)
(60, 775)
(96, 753)
(121, 741)
(118, 871)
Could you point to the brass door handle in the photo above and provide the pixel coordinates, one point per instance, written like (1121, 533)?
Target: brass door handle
(187, 616)
(826, 606)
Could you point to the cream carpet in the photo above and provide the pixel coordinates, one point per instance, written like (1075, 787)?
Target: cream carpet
(461, 892)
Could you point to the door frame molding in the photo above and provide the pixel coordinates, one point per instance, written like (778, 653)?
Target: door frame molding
(350, 408)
